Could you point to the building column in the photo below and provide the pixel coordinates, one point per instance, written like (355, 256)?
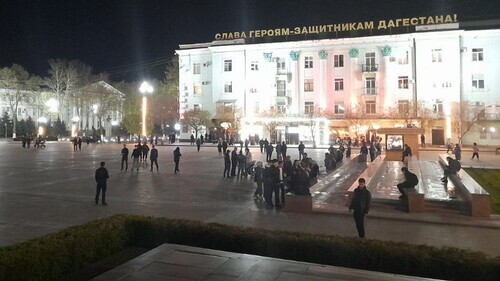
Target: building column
(384, 94)
(323, 55)
(296, 94)
(354, 91)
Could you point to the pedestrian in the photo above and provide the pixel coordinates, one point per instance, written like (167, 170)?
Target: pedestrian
(75, 143)
(269, 152)
(136, 154)
(87, 140)
(283, 150)
(227, 164)
(449, 146)
(348, 151)
(224, 146)
(372, 151)
(363, 152)
(125, 157)
(475, 152)
(28, 141)
(360, 203)
(411, 181)
(458, 152)
(234, 161)
(24, 141)
(261, 144)
(258, 180)
(301, 150)
(422, 140)
(198, 144)
(192, 139)
(154, 157)
(278, 151)
(101, 176)
(202, 140)
(266, 144)
(145, 151)
(219, 148)
(242, 163)
(177, 159)
(80, 143)
(139, 148)
(406, 153)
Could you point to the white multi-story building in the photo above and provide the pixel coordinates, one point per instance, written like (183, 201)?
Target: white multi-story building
(97, 106)
(368, 79)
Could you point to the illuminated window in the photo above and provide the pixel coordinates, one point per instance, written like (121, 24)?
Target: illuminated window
(228, 65)
(196, 68)
(339, 84)
(254, 65)
(403, 82)
(403, 106)
(308, 85)
(281, 88)
(197, 88)
(437, 55)
(339, 108)
(370, 60)
(308, 62)
(438, 106)
(478, 82)
(370, 86)
(228, 87)
(477, 54)
(338, 61)
(309, 107)
(403, 59)
(370, 107)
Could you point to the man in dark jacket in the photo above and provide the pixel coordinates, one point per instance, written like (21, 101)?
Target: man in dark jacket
(360, 203)
(101, 176)
(125, 156)
(227, 164)
(154, 157)
(411, 181)
(177, 159)
(234, 161)
(406, 152)
(452, 168)
(136, 154)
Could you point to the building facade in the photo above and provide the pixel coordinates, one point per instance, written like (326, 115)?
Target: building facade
(359, 83)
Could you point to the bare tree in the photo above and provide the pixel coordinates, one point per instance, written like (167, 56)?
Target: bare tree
(312, 121)
(408, 112)
(197, 119)
(19, 86)
(271, 121)
(465, 118)
(356, 118)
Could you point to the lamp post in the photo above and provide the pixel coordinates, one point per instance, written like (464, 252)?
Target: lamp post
(145, 89)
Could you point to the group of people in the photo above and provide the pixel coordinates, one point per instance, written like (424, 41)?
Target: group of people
(38, 141)
(237, 164)
(139, 154)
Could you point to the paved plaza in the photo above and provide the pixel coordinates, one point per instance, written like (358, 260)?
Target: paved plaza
(46, 190)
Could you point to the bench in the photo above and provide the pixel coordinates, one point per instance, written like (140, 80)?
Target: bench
(477, 198)
(368, 175)
(298, 203)
(415, 196)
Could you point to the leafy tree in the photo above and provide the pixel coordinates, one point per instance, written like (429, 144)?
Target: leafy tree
(30, 126)
(21, 128)
(5, 120)
(131, 117)
(197, 119)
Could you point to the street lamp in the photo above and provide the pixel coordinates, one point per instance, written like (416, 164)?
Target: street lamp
(75, 121)
(144, 89)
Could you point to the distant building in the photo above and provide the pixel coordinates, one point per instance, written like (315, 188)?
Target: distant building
(363, 82)
(98, 105)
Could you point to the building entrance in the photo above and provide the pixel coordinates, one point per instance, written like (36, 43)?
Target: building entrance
(437, 137)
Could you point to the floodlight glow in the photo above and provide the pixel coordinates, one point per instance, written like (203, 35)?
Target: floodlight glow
(53, 105)
(95, 107)
(177, 126)
(493, 129)
(145, 89)
(114, 123)
(75, 119)
(42, 120)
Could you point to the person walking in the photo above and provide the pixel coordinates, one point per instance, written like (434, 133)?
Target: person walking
(261, 144)
(177, 159)
(449, 146)
(269, 152)
(227, 164)
(242, 163)
(363, 152)
(136, 154)
(80, 143)
(192, 139)
(278, 151)
(458, 152)
(283, 149)
(75, 143)
(360, 203)
(219, 148)
(125, 157)
(301, 150)
(422, 140)
(406, 153)
(154, 157)
(475, 152)
(145, 151)
(224, 146)
(101, 177)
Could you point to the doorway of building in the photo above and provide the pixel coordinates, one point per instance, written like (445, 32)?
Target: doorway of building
(437, 136)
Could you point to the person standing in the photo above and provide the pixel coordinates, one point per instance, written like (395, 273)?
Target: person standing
(283, 150)
(301, 150)
(422, 140)
(177, 159)
(101, 177)
(475, 152)
(219, 148)
(75, 143)
(360, 203)
(363, 152)
(278, 151)
(269, 152)
(224, 146)
(406, 153)
(242, 163)
(192, 139)
(136, 154)
(80, 143)
(154, 157)
(449, 146)
(258, 180)
(125, 156)
(261, 144)
(458, 152)
(198, 144)
(234, 161)
(145, 151)
(227, 164)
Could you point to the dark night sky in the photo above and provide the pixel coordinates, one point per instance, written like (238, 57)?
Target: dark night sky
(132, 39)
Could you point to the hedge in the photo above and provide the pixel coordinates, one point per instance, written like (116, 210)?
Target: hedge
(55, 255)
